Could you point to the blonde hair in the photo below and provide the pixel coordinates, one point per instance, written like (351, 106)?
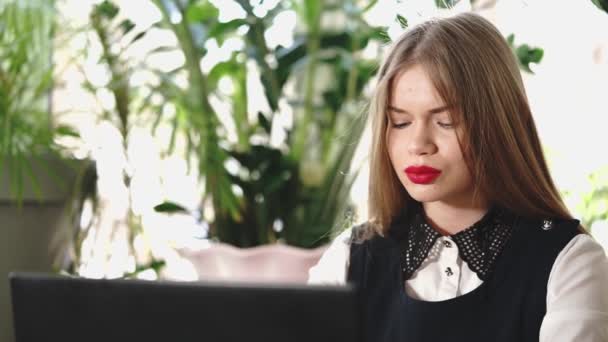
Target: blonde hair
(475, 71)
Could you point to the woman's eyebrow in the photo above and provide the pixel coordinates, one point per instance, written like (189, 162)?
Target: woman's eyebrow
(431, 112)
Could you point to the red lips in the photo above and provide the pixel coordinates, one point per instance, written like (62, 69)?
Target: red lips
(422, 174)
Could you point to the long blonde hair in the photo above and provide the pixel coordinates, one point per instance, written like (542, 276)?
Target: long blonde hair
(473, 68)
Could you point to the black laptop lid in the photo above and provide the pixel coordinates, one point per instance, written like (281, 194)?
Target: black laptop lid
(55, 308)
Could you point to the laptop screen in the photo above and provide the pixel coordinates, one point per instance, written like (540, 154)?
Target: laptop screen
(57, 308)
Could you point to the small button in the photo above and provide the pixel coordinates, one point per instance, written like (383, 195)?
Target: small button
(447, 244)
(449, 272)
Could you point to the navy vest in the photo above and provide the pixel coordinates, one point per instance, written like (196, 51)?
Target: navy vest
(508, 307)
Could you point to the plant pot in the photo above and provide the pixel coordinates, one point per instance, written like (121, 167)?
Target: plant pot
(27, 231)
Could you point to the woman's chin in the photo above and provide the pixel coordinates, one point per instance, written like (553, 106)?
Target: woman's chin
(424, 196)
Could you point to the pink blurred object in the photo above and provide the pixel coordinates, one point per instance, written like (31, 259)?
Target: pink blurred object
(274, 263)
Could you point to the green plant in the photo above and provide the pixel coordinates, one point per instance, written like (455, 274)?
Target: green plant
(525, 54)
(593, 203)
(298, 190)
(601, 4)
(115, 35)
(26, 78)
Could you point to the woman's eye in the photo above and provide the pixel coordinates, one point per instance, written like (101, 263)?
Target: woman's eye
(400, 125)
(445, 125)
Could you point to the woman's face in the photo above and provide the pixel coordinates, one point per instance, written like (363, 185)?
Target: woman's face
(423, 142)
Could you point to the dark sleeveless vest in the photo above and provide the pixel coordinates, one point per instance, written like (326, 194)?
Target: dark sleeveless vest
(508, 306)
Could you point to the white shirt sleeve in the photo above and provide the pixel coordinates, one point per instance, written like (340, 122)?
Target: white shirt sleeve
(577, 294)
(333, 264)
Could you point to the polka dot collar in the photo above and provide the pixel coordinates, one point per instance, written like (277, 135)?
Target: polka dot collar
(478, 245)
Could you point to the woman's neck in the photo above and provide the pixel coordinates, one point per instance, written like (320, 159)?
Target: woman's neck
(450, 219)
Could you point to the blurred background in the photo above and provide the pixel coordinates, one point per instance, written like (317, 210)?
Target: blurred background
(137, 132)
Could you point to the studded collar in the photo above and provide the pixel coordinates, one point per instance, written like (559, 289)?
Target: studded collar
(479, 245)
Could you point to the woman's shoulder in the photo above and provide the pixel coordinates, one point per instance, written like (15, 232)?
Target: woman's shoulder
(333, 264)
(549, 227)
(362, 232)
(543, 242)
(357, 234)
(331, 267)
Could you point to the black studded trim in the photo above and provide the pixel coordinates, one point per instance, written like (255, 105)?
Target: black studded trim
(415, 247)
(479, 245)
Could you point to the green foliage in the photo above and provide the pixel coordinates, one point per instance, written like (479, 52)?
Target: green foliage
(109, 32)
(170, 207)
(446, 4)
(107, 10)
(154, 265)
(297, 192)
(201, 11)
(594, 204)
(26, 77)
(601, 4)
(402, 21)
(115, 35)
(525, 54)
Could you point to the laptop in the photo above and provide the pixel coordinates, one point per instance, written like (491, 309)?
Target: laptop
(59, 308)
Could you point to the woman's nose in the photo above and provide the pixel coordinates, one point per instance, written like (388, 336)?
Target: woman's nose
(421, 142)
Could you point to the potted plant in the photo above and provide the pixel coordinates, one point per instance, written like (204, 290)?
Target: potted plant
(38, 183)
(260, 191)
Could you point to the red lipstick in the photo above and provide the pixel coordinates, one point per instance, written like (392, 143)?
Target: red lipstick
(422, 174)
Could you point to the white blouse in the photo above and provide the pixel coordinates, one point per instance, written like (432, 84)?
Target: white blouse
(577, 291)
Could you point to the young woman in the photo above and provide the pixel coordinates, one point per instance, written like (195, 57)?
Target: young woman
(468, 238)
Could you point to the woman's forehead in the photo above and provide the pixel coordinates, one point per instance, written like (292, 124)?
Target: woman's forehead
(413, 94)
